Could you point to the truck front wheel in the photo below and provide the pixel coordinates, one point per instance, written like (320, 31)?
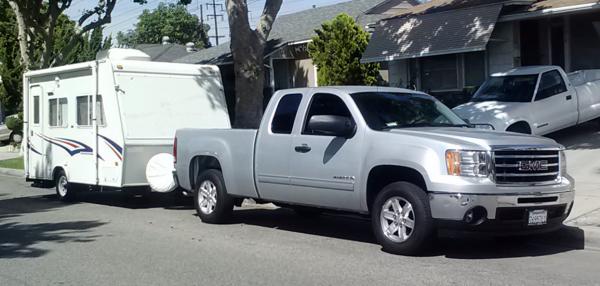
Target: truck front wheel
(401, 219)
(212, 202)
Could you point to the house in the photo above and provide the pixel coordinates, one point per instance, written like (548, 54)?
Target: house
(286, 57)
(448, 47)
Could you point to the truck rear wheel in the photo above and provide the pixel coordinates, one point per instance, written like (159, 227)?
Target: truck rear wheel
(212, 202)
(65, 191)
(402, 220)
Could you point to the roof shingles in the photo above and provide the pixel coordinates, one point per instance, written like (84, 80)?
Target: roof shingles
(292, 28)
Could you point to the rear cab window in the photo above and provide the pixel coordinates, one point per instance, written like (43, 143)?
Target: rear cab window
(285, 114)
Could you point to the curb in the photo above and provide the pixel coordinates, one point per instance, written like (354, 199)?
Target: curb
(12, 172)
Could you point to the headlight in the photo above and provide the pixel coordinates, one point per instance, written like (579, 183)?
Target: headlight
(468, 163)
(563, 164)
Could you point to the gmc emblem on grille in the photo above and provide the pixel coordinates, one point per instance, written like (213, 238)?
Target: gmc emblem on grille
(540, 165)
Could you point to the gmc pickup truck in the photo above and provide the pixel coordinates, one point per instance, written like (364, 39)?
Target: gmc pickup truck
(535, 100)
(397, 155)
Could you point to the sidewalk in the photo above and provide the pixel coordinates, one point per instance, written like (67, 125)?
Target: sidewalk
(8, 152)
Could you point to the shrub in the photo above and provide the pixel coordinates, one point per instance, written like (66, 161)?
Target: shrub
(15, 123)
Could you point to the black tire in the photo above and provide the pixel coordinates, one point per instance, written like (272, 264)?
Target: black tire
(13, 135)
(213, 212)
(65, 191)
(420, 236)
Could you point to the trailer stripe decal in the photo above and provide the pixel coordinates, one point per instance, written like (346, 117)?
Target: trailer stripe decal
(112, 143)
(80, 147)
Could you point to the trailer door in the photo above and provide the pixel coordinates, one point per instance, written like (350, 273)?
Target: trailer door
(36, 145)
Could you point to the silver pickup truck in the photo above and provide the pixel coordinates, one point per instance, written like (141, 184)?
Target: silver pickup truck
(397, 155)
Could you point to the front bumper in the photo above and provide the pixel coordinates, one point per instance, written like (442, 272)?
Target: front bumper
(503, 212)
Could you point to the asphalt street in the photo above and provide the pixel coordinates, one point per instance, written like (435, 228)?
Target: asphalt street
(115, 239)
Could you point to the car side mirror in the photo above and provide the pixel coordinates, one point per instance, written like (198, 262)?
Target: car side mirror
(332, 125)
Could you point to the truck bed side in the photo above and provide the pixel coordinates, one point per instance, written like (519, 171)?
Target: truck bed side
(233, 149)
(587, 85)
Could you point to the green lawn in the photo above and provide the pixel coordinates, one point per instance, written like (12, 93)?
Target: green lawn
(16, 163)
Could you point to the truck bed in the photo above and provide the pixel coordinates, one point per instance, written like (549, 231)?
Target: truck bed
(233, 148)
(587, 85)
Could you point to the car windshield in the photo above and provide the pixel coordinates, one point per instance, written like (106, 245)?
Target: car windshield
(518, 88)
(389, 110)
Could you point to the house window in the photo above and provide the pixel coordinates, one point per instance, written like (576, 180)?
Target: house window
(439, 73)
(57, 112)
(474, 69)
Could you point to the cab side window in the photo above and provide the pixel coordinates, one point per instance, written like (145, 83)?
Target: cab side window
(285, 114)
(325, 104)
(551, 84)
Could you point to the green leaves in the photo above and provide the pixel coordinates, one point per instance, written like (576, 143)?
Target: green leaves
(337, 49)
(170, 20)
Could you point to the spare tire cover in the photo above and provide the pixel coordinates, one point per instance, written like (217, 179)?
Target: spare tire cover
(160, 173)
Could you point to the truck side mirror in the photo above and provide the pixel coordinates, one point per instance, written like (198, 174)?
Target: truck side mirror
(332, 125)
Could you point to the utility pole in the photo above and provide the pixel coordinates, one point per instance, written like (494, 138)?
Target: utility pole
(214, 15)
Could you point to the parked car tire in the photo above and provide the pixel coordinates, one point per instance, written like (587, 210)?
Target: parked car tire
(15, 137)
(401, 219)
(65, 191)
(212, 202)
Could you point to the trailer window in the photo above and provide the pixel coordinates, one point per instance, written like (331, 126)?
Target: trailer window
(57, 112)
(36, 110)
(99, 110)
(84, 116)
(84, 110)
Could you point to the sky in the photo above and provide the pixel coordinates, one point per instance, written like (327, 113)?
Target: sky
(125, 14)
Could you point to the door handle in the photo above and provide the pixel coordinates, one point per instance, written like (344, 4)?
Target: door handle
(302, 148)
(569, 97)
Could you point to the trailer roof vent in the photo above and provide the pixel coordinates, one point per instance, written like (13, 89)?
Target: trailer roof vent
(123, 54)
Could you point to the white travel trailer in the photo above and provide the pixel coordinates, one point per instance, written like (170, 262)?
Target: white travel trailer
(98, 123)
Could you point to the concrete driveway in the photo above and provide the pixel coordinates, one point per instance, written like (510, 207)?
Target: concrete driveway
(583, 162)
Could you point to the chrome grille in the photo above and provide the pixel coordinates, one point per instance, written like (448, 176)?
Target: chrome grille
(526, 166)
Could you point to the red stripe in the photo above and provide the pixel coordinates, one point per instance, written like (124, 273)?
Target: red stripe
(66, 142)
(116, 153)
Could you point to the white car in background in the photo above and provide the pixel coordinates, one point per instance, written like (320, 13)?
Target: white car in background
(6, 135)
(4, 131)
(535, 100)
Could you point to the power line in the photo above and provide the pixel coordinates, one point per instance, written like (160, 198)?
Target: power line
(214, 16)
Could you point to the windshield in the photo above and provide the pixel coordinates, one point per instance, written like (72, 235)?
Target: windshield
(388, 110)
(516, 88)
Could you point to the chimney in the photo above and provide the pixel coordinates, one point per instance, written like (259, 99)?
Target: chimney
(190, 47)
(166, 40)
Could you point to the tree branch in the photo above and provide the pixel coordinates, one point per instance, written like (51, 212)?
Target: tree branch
(265, 23)
(104, 7)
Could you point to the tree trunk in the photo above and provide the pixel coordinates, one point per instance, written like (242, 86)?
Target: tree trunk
(248, 49)
(249, 82)
(22, 32)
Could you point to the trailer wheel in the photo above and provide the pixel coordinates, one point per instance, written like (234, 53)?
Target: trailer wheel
(65, 191)
(212, 202)
(402, 220)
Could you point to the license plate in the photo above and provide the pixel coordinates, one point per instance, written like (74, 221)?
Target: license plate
(538, 217)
